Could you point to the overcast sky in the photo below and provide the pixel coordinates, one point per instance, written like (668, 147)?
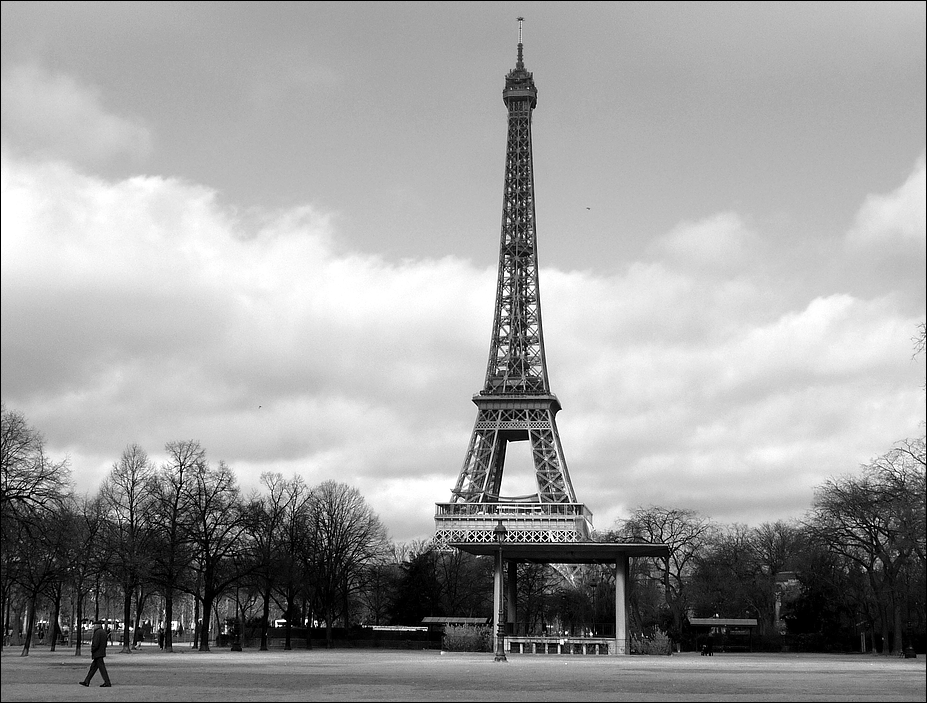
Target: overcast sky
(274, 228)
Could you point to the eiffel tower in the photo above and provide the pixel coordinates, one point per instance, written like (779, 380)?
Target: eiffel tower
(516, 403)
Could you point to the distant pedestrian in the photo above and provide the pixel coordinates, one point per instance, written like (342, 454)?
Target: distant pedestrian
(97, 654)
(161, 637)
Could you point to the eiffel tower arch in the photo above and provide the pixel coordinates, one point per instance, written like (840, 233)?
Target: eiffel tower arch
(516, 403)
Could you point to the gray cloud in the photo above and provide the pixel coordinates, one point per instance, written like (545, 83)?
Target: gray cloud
(54, 115)
(142, 310)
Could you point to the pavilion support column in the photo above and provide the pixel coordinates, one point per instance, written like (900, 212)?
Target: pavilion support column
(621, 605)
(511, 595)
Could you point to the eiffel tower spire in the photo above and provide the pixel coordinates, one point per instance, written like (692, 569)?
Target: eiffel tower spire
(516, 403)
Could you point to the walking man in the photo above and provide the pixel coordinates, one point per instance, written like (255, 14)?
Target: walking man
(97, 654)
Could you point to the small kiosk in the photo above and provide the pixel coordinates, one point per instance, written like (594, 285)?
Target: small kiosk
(724, 634)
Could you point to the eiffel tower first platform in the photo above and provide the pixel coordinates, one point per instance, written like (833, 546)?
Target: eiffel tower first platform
(516, 403)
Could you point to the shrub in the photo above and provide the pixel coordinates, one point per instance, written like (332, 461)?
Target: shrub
(467, 638)
(658, 644)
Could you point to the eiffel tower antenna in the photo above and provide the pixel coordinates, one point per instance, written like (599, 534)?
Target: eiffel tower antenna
(516, 403)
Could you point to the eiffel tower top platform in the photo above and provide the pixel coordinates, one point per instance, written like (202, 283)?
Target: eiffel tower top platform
(516, 403)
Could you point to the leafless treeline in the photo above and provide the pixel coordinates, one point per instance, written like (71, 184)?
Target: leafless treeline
(855, 563)
(180, 528)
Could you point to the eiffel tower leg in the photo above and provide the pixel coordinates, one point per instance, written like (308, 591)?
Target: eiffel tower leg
(553, 479)
(482, 469)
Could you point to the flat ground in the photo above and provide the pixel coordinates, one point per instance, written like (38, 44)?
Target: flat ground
(391, 675)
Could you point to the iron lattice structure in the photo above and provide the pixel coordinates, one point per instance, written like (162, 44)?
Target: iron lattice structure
(516, 403)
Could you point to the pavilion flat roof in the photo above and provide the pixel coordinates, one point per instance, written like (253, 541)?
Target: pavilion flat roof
(564, 552)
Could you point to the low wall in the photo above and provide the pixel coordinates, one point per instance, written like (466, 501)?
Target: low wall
(355, 638)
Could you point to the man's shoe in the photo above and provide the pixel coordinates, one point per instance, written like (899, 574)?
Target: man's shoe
(105, 685)
(83, 683)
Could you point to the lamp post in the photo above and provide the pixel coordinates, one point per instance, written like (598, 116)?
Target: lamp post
(500, 533)
(236, 641)
(595, 586)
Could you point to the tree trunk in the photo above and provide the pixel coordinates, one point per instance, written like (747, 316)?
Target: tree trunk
(30, 624)
(329, 639)
(264, 619)
(197, 624)
(96, 601)
(286, 629)
(897, 646)
(310, 622)
(4, 616)
(347, 622)
(127, 618)
(885, 613)
(76, 629)
(169, 618)
(204, 629)
(54, 624)
(140, 601)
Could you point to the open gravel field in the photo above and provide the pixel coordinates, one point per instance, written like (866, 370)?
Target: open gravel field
(389, 675)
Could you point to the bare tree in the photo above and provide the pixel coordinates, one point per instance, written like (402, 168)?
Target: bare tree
(32, 489)
(419, 588)
(459, 573)
(42, 563)
(172, 514)
(216, 530)
(29, 481)
(126, 497)
(292, 500)
(877, 520)
(686, 533)
(727, 578)
(86, 562)
(378, 590)
(67, 521)
(536, 584)
(775, 548)
(347, 536)
(920, 341)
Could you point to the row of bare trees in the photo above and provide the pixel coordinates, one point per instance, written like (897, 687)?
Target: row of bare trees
(855, 563)
(33, 508)
(874, 526)
(184, 530)
(181, 528)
